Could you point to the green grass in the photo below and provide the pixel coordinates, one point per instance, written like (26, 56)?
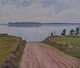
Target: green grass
(21, 52)
(54, 45)
(73, 41)
(7, 45)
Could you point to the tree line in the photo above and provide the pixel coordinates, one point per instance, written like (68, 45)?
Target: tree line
(72, 32)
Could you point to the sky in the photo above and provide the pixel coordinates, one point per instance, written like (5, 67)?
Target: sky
(40, 11)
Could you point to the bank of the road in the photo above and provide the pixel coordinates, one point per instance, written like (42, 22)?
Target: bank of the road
(11, 50)
(40, 55)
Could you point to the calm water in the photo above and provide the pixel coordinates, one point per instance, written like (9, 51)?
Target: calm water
(36, 33)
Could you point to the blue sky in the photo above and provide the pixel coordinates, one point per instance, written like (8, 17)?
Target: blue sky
(40, 10)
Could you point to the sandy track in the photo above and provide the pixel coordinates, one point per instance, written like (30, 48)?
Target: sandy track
(39, 55)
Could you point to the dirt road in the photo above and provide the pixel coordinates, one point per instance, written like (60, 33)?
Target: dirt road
(39, 55)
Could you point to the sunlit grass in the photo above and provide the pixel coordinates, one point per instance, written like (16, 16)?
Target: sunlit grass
(8, 44)
(70, 40)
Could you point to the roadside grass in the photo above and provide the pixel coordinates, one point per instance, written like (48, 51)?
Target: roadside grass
(54, 45)
(21, 51)
(8, 44)
(73, 41)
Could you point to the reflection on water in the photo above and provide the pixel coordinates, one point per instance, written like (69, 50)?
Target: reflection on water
(36, 33)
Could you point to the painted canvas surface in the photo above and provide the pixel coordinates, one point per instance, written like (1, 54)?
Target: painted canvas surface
(39, 33)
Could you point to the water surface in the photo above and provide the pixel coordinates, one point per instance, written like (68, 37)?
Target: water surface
(37, 33)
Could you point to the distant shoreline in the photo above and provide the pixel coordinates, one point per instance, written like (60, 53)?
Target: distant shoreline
(34, 23)
(38, 23)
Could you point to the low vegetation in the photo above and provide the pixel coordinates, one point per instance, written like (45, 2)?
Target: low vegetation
(10, 46)
(71, 40)
(68, 45)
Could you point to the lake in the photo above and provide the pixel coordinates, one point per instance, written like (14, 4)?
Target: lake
(37, 33)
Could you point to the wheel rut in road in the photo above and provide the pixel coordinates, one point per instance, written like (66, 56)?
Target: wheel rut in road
(39, 55)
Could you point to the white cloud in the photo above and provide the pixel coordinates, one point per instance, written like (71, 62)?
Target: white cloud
(40, 10)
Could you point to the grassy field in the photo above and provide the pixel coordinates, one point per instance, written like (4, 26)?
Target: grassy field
(71, 40)
(8, 44)
(72, 49)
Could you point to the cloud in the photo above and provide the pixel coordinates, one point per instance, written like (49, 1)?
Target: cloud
(46, 3)
(40, 10)
(17, 3)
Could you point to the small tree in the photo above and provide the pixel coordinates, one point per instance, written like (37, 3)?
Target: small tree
(51, 34)
(77, 31)
(71, 32)
(64, 32)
